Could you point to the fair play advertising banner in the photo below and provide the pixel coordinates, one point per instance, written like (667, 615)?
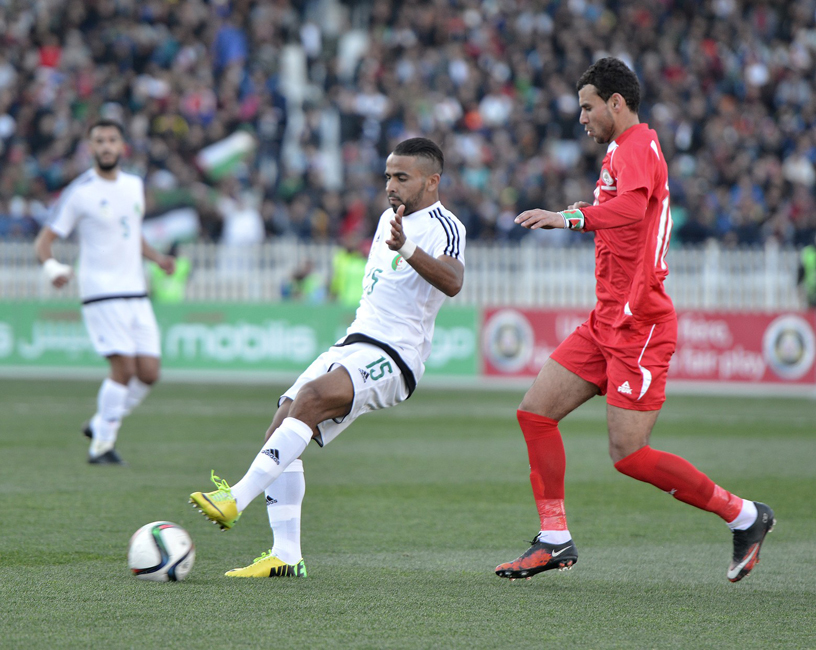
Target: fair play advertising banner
(282, 337)
(734, 348)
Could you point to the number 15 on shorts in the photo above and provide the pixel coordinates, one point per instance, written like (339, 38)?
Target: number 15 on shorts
(377, 368)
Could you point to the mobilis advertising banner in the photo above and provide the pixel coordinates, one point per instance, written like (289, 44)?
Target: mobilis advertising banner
(730, 349)
(282, 337)
(719, 347)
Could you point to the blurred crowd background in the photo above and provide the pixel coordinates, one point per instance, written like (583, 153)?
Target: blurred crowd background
(262, 119)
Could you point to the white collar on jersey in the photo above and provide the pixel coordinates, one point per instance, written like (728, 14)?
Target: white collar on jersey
(97, 175)
(429, 209)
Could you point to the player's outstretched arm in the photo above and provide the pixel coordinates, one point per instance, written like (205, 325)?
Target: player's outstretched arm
(535, 219)
(57, 273)
(445, 273)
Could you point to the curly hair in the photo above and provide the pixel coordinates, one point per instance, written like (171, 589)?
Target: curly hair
(610, 76)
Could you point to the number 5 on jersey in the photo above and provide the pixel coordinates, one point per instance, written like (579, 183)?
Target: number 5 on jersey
(371, 279)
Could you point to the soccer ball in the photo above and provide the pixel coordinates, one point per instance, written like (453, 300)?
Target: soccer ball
(161, 551)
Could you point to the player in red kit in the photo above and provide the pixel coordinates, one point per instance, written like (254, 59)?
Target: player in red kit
(624, 348)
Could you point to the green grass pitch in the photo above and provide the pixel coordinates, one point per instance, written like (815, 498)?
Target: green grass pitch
(405, 517)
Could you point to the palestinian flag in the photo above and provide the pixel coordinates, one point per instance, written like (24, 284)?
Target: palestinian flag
(221, 158)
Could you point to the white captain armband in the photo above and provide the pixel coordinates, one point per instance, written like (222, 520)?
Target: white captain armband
(54, 269)
(573, 219)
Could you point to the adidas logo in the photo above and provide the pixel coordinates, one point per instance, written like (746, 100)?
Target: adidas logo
(273, 454)
(365, 374)
(625, 388)
(270, 501)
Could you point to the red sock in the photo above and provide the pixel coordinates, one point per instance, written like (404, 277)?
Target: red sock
(681, 479)
(547, 466)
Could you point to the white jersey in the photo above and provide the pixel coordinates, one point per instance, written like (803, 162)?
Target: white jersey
(108, 218)
(399, 306)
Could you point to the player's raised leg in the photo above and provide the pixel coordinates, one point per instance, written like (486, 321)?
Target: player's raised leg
(555, 393)
(749, 522)
(326, 397)
(224, 505)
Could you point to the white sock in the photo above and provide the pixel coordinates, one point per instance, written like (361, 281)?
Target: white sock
(137, 391)
(746, 517)
(110, 407)
(285, 445)
(554, 536)
(283, 500)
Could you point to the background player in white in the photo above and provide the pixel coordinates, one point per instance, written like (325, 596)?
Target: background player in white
(416, 259)
(105, 206)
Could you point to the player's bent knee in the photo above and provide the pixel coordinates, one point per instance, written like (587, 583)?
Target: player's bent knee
(309, 396)
(617, 452)
(616, 456)
(121, 376)
(148, 378)
(527, 404)
(530, 406)
(308, 405)
(314, 404)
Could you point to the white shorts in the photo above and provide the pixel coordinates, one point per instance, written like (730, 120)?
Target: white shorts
(377, 381)
(125, 326)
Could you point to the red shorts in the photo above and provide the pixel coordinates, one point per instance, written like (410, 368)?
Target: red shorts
(628, 364)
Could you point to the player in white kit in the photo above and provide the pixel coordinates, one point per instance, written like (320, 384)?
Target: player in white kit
(416, 259)
(105, 206)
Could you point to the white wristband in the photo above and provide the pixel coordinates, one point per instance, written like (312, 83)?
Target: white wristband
(54, 269)
(407, 249)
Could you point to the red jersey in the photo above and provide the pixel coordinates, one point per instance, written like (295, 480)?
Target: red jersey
(633, 222)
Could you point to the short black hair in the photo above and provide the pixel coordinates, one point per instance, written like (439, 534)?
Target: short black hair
(422, 147)
(610, 76)
(106, 122)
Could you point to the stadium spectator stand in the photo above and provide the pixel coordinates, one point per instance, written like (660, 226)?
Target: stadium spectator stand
(326, 87)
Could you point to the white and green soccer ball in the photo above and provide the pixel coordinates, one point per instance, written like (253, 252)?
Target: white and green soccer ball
(161, 551)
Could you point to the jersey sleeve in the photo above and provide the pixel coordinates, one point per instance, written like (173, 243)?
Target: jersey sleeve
(65, 214)
(635, 169)
(449, 237)
(624, 209)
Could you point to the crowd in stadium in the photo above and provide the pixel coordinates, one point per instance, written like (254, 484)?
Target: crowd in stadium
(327, 88)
